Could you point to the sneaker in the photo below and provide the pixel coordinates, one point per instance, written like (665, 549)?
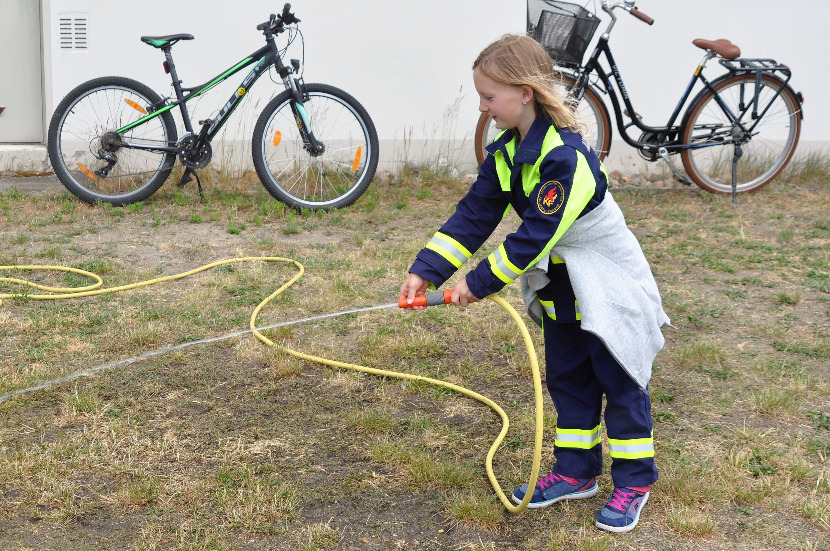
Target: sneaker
(553, 487)
(622, 512)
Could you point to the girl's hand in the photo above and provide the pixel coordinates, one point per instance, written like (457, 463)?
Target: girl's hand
(461, 295)
(414, 286)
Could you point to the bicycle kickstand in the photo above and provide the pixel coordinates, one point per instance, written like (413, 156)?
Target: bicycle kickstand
(737, 155)
(186, 178)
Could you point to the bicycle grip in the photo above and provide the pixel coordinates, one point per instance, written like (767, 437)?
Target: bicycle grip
(641, 16)
(430, 299)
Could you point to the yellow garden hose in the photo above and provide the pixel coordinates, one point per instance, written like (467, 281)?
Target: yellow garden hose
(96, 289)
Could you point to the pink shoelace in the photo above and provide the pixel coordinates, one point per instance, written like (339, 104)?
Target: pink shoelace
(549, 480)
(620, 500)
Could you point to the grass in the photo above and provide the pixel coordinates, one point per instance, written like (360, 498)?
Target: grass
(232, 445)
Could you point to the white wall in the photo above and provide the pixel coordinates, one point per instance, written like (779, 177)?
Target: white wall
(20, 56)
(409, 62)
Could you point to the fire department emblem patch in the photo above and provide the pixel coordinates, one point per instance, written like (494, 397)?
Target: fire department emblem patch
(551, 197)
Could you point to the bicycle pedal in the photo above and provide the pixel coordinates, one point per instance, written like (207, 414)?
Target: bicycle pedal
(681, 179)
(664, 153)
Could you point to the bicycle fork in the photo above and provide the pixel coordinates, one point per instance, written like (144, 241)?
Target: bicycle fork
(314, 146)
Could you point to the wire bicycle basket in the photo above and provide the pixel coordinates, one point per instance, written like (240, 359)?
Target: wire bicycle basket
(563, 29)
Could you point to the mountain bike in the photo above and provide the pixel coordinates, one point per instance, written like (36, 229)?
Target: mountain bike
(737, 134)
(114, 140)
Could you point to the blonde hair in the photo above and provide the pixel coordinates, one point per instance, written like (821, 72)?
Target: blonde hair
(521, 61)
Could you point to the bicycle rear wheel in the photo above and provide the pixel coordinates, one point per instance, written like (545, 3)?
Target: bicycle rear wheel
(711, 133)
(330, 180)
(82, 135)
(591, 111)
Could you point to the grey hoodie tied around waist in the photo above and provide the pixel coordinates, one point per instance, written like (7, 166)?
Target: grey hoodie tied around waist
(614, 288)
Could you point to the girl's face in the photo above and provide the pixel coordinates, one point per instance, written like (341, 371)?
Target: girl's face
(510, 106)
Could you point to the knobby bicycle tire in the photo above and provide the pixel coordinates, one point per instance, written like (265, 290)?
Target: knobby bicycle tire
(334, 179)
(84, 123)
(710, 133)
(591, 111)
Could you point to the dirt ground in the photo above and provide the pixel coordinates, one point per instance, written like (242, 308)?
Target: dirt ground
(246, 406)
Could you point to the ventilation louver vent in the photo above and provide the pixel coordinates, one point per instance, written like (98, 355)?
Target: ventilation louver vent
(74, 32)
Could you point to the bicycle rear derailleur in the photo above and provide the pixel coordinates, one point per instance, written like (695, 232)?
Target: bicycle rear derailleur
(110, 142)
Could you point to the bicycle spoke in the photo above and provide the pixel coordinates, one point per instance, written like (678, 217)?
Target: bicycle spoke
(333, 178)
(82, 138)
(766, 143)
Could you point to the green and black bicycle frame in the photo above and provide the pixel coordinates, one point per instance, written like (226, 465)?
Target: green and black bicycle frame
(262, 60)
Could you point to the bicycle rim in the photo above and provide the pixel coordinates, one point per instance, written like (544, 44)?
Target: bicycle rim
(768, 149)
(80, 136)
(590, 111)
(333, 179)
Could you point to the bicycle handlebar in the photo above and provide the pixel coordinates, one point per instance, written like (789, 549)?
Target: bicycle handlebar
(627, 5)
(287, 17)
(276, 23)
(641, 16)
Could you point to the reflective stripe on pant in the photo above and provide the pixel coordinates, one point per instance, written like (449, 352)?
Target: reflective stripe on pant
(579, 370)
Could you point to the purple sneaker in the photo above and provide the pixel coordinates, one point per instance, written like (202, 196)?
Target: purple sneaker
(622, 512)
(552, 488)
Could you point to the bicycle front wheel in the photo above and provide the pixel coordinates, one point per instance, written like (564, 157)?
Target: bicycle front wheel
(97, 163)
(591, 111)
(335, 178)
(767, 142)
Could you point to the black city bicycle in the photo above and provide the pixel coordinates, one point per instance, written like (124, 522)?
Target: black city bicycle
(737, 135)
(114, 140)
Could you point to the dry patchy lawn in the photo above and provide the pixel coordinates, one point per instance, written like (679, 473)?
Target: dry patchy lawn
(233, 445)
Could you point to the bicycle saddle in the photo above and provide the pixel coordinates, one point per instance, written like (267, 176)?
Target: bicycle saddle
(721, 46)
(166, 40)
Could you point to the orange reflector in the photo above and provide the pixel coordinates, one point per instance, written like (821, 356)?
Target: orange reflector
(86, 171)
(277, 138)
(135, 106)
(357, 155)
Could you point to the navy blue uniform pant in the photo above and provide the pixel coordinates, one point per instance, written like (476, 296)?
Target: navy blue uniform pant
(579, 371)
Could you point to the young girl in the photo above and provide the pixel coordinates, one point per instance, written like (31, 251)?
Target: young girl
(584, 278)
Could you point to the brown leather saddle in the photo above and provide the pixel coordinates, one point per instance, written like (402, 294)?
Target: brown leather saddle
(721, 46)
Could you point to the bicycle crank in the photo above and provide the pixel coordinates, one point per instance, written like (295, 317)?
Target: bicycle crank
(199, 158)
(664, 153)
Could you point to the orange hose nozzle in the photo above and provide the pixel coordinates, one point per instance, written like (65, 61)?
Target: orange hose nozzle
(430, 299)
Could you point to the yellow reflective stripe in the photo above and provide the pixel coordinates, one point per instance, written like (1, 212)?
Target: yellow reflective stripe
(556, 260)
(531, 173)
(549, 308)
(636, 448)
(578, 313)
(494, 266)
(502, 170)
(577, 438)
(451, 250)
(583, 188)
(501, 265)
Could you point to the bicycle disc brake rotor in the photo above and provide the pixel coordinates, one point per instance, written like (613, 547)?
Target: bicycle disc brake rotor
(198, 160)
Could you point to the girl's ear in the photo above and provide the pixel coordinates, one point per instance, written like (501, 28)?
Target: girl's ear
(527, 94)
